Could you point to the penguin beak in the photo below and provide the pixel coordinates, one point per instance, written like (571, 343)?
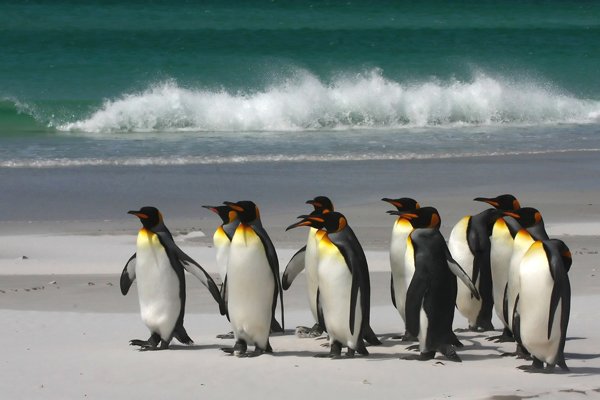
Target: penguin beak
(392, 202)
(314, 203)
(211, 208)
(233, 206)
(304, 222)
(406, 215)
(512, 214)
(138, 214)
(486, 200)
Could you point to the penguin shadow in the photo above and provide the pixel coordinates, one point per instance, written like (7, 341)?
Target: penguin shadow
(194, 347)
(579, 371)
(581, 356)
(297, 353)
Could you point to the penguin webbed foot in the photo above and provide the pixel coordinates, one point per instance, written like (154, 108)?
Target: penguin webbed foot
(500, 339)
(228, 335)
(335, 351)
(413, 347)
(150, 344)
(537, 367)
(257, 352)
(306, 332)
(238, 349)
(425, 356)
(450, 353)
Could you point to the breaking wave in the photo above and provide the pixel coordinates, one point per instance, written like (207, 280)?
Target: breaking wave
(358, 102)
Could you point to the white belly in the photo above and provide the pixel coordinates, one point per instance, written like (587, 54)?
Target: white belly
(520, 246)
(500, 255)
(222, 245)
(402, 271)
(311, 261)
(250, 286)
(158, 286)
(335, 282)
(467, 305)
(534, 307)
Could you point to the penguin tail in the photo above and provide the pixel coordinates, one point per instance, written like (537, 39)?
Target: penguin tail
(181, 335)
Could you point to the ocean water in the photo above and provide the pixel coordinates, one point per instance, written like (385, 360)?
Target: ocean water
(176, 82)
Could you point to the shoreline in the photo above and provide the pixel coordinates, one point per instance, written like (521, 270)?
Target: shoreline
(66, 320)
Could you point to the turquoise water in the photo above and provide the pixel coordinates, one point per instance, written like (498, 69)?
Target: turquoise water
(185, 82)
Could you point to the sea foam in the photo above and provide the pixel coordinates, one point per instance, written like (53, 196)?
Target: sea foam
(362, 101)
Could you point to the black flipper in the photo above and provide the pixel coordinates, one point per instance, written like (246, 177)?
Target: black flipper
(181, 335)
(179, 258)
(320, 317)
(414, 300)
(505, 304)
(128, 274)
(393, 292)
(516, 323)
(293, 268)
(224, 296)
(461, 274)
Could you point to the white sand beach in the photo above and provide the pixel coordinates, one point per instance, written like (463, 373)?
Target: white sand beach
(66, 325)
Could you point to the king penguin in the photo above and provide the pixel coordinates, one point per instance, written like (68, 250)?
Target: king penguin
(531, 221)
(222, 237)
(402, 272)
(544, 303)
(307, 259)
(344, 287)
(431, 296)
(501, 247)
(470, 245)
(253, 282)
(222, 242)
(158, 265)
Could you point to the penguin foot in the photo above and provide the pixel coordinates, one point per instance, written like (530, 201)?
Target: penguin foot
(500, 339)
(238, 349)
(463, 330)
(429, 355)
(450, 353)
(306, 332)
(150, 344)
(413, 347)
(335, 351)
(257, 352)
(225, 335)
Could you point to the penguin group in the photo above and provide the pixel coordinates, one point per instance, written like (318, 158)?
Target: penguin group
(499, 260)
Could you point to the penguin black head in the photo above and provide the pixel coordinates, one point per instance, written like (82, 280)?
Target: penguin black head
(426, 217)
(149, 216)
(314, 221)
(526, 216)
(505, 202)
(225, 212)
(334, 221)
(246, 210)
(403, 203)
(321, 204)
